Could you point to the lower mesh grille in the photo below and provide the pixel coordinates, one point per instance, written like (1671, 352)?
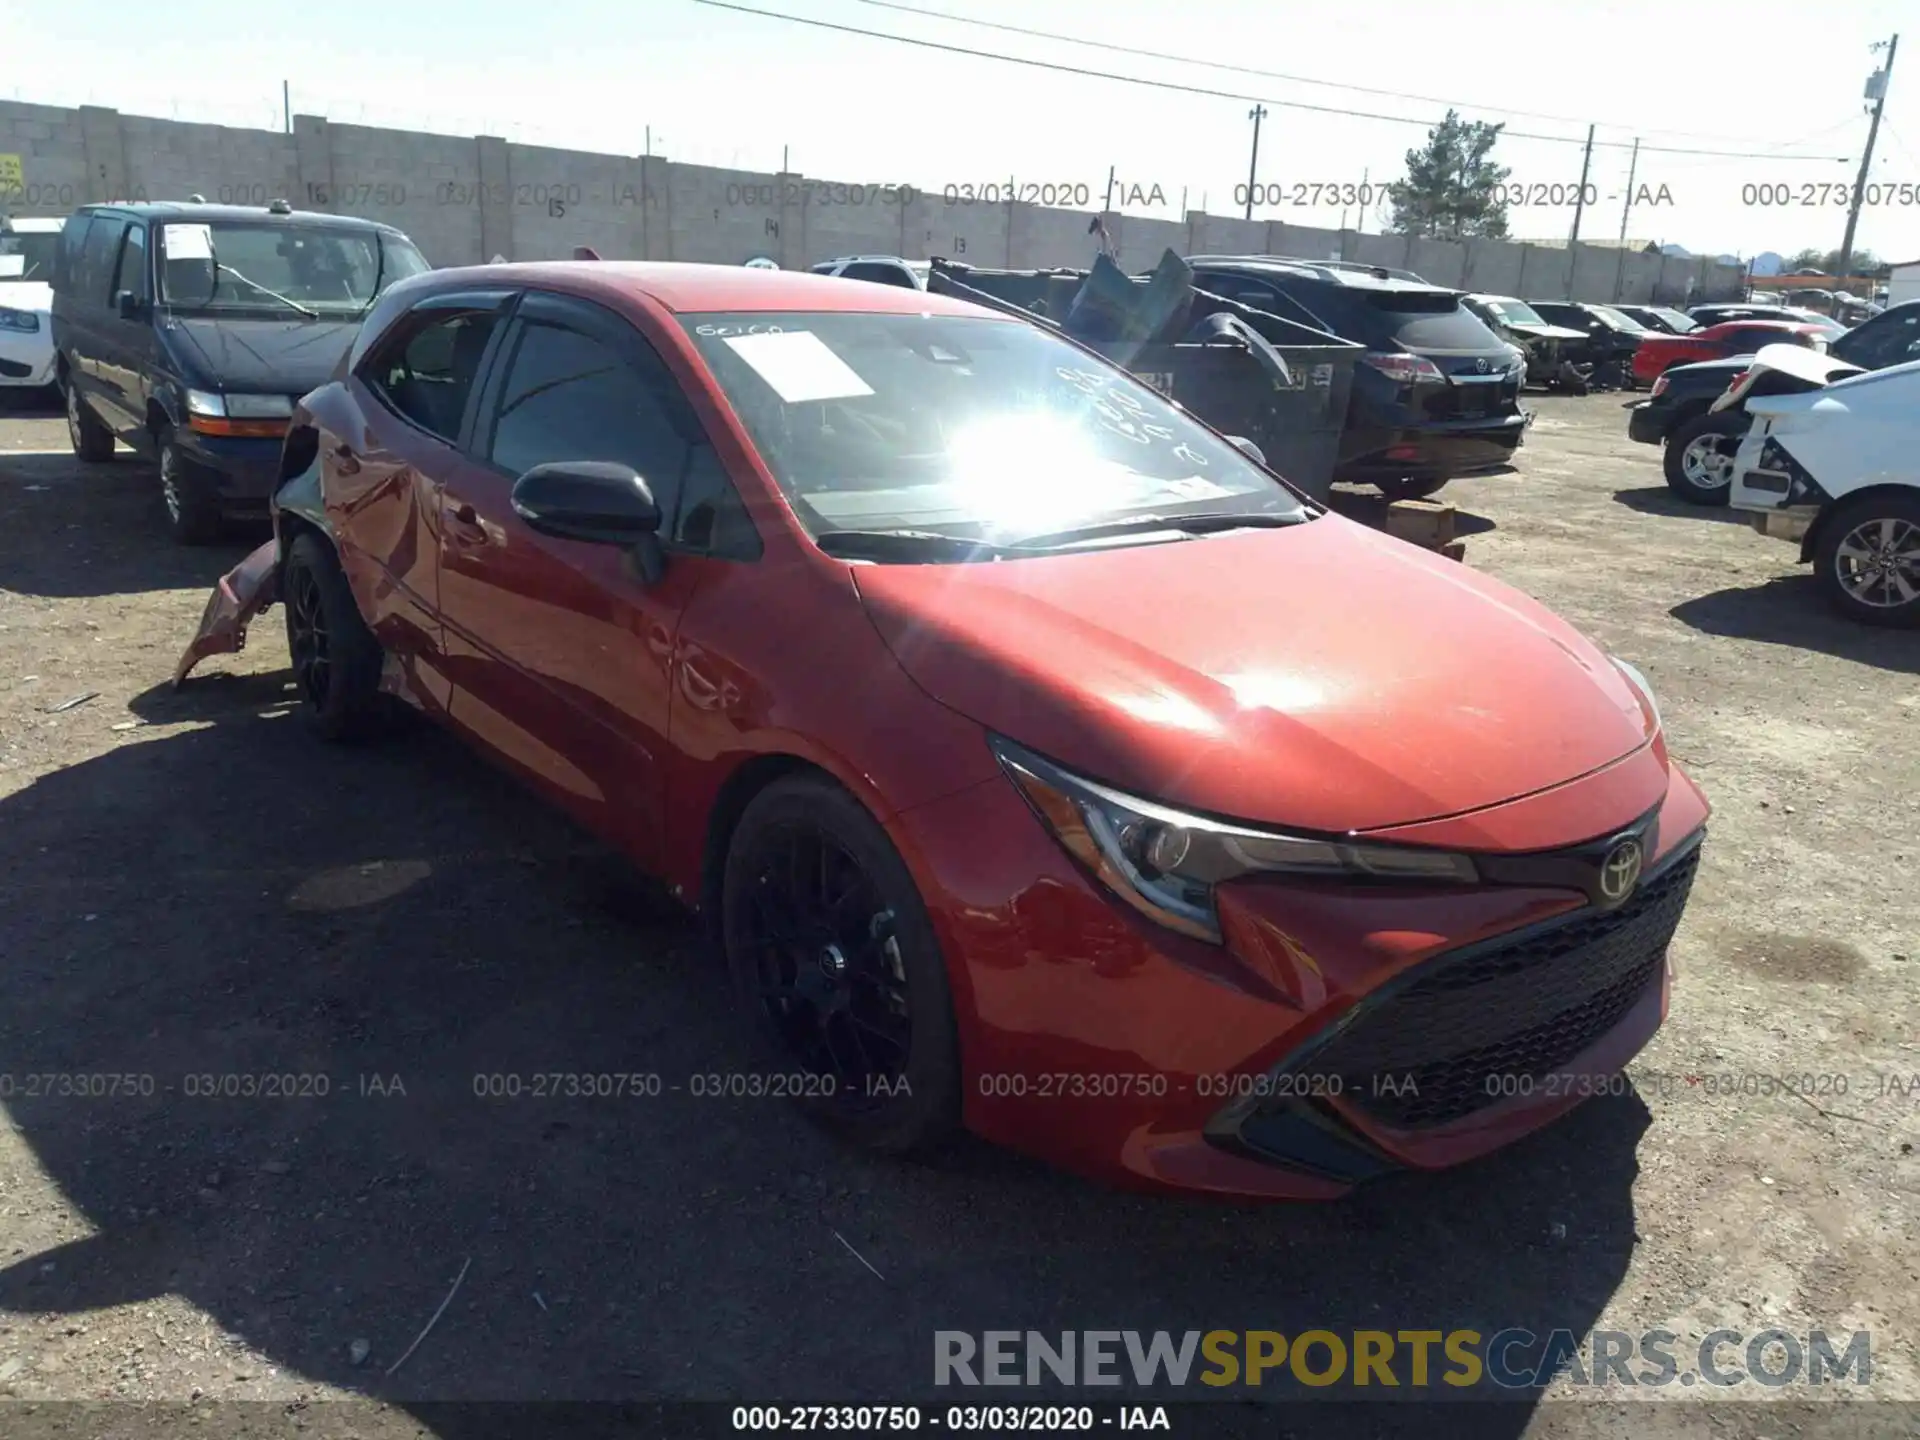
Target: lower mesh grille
(1469, 1030)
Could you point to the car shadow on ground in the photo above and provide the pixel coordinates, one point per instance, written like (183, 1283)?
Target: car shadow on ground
(1659, 500)
(404, 940)
(19, 403)
(1793, 610)
(72, 529)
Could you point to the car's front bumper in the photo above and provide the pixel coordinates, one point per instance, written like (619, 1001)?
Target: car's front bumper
(245, 470)
(27, 357)
(1096, 1040)
(1647, 423)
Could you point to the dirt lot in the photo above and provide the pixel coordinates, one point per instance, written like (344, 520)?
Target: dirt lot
(191, 887)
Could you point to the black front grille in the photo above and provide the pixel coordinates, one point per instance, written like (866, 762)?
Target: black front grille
(1468, 1029)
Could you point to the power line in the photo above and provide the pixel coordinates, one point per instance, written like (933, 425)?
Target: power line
(1225, 94)
(1261, 74)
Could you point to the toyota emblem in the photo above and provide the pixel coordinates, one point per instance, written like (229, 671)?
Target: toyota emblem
(1481, 364)
(1620, 871)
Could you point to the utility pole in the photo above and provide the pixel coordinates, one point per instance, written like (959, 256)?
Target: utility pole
(286, 104)
(1877, 88)
(1620, 270)
(1109, 203)
(1580, 200)
(1257, 114)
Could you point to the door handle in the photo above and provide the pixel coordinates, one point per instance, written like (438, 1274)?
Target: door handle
(464, 525)
(344, 458)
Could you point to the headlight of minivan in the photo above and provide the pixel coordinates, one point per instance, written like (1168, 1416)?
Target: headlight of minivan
(24, 321)
(206, 402)
(1165, 863)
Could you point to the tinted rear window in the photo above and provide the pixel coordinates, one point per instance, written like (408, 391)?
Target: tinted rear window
(1424, 320)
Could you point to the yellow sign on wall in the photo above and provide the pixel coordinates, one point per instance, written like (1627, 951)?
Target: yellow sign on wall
(12, 177)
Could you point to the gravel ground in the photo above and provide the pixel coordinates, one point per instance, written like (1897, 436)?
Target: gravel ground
(190, 887)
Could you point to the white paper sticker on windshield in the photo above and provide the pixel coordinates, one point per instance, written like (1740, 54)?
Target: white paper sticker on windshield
(189, 242)
(13, 265)
(799, 366)
(1195, 488)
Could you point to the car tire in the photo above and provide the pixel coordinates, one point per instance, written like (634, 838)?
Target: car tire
(1698, 462)
(336, 660)
(1869, 554)
(1404, 489)
(850, 927)
(187, 495)
(91, 440)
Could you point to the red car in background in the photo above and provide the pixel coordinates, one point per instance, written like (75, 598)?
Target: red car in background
(1029, 747)
(1660, 353)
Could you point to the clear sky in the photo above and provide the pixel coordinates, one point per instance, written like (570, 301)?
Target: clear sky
(716, 86)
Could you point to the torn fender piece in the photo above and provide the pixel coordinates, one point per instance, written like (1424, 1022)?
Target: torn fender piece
(243, 592)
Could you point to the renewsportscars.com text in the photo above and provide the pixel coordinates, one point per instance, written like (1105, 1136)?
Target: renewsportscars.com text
(1377, 1360)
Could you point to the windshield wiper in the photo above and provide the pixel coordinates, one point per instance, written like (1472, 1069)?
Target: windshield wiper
(275, 294)
(1205, 524)
(907, 545)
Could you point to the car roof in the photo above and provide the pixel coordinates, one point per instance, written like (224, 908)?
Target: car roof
(891, 259)
(1795, 326)
(1330, 273)
(689, 288)
(191, 213)
(33, 225)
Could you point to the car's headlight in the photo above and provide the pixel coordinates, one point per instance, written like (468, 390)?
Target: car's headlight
(1165, 863)
(25, 321)
(206, 402)
(258, 407)
(1639, 682)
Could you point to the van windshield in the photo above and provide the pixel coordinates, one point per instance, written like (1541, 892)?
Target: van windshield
(232, 265)
(955, 428)
(29, 256)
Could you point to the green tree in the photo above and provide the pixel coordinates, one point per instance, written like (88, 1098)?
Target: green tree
(1864, 262)
(1452, 186)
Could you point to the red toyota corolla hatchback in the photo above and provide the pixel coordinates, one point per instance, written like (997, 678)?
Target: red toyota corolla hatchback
(1044, 764)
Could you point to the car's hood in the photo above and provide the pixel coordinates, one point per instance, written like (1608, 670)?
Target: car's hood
(1324, 677)
(285, 357)
(1545, 332)
(26, 295)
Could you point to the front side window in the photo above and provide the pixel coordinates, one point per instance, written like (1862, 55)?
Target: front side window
(133, 264)
(243, 265)
(962, 428)
(94, 278)
(426, 369)
(568, 395)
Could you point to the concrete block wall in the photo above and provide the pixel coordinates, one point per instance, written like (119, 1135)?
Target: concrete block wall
(465, 199)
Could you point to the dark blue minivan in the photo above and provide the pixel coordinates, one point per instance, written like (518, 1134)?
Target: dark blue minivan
(189, 331)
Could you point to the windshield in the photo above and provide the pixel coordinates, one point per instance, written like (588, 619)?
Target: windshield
(1618, 319)
(967, 428)
(1681, 323)
(315, 269)
(28, 257)
(1515, 312)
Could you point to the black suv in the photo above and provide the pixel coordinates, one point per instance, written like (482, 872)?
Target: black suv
(1437, 394)
(189, 331)
(1700, 445)
(1612, 338)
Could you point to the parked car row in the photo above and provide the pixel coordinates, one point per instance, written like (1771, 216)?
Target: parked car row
(1832, 449)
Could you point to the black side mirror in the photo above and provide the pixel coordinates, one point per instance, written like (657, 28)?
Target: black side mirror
(596, 501)
(128, 304)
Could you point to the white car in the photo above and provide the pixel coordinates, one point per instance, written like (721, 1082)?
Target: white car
(26, 301)
(879, 269)
(1837, 468)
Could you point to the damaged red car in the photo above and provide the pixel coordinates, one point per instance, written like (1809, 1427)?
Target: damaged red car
(1043, 763)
